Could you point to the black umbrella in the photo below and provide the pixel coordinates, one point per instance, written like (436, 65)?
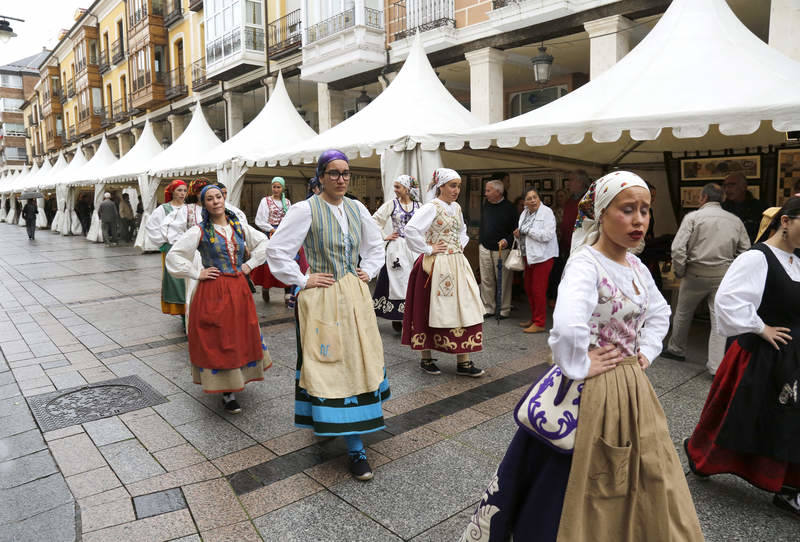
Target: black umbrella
(498, 298)
(31, 195)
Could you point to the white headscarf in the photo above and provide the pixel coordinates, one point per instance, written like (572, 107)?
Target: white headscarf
(599, 196)
(441, 177)
(411, 185)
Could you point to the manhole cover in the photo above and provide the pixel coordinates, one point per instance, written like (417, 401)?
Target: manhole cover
(91, 402)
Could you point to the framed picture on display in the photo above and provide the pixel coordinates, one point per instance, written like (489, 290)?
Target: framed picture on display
(537, 185)
(547, 184)
(690, 196)
(547, 199)
(788, 175)
(719, 167)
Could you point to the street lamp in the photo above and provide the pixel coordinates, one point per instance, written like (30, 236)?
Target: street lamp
(6, 32)
(362, 101)
(542, 64)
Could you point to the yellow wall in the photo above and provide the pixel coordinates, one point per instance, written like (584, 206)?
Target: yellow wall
(190, 30)
(109, 24)
(65, 62)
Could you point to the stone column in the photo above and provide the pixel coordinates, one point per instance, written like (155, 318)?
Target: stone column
(330, 104)
(486, 83)
(177, 125)
(124, 143)
(610, 40)
(136, 132)
(784, 20)
(113, 144)
(235, 115)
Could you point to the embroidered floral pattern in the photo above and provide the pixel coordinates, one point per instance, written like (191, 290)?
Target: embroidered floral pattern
(457, 331)
(479, 527)
(475, 341)
(442, 341)
(418, 339)
(446, 286)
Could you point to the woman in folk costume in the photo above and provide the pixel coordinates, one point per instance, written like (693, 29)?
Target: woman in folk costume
(341, 381)
(173, 290)
(270, 213)
(226, 348)
(750, 424)
(443, 308)
(592, 458)
(390, 291)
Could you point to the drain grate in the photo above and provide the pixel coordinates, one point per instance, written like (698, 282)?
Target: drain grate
(59, 409)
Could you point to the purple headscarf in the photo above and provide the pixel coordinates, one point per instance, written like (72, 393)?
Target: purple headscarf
(327, 157)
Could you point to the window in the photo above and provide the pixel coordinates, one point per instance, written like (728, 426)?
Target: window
(10, 81)
(252, 9)
(93, 51)
(14, 129)
(10, 105)
(522, 102)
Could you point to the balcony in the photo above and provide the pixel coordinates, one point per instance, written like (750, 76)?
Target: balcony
(72, 134)
(103, 64)
(195, 5)
(285, 35)
(348, 43)
(148, 89)
(117, 52)
(199, 80)
(105, 117)
(70, 89)
(89, 120)
(119, 110)
(174, 12)
(177, 84)
(239, 51)
(139, 15)
(406, 18)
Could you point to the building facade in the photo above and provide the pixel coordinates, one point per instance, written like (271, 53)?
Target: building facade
(17, 81)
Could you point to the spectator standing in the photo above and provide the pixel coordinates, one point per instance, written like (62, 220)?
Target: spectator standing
(498, 222)
(84, 212)
(126, 218)
(577, 184)
(739, 201)
(706, 244)
(29, 213)
(108, 218)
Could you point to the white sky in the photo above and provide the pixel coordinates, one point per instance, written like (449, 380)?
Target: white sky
(43, 20)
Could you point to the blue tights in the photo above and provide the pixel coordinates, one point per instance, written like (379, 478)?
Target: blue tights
(354, 444)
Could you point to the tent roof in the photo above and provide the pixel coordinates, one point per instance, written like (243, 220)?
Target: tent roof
(19, 179)
(96, 168)
(48, 180)
(180, 158)
(412, 108)
(277, 126)
(68, 173)
(699, 66)
(135, 160)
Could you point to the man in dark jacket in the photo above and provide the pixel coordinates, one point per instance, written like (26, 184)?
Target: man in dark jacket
(29, 213)
(109, 216)
(498, 222)
(739, 201)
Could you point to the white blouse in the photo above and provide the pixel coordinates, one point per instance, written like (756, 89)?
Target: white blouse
(288, 239)
(180, 260)
(263, 213)
(539, 234)
(577, 298)
(156, 227)
(739, 295)
(421, 222)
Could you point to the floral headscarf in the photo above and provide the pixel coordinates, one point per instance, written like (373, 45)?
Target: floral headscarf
(197, 185)
(171, 188)
(441, 177)
(207, 226)
(411, 185)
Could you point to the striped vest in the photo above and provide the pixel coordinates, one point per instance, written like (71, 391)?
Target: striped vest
(327, 249)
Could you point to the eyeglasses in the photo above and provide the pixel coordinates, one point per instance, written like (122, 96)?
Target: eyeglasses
(335, 174)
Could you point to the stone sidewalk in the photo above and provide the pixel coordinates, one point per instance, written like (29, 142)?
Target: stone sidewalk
(73, 313)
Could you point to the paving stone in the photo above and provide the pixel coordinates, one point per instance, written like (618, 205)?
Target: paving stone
(54, 525)
(213, 504)
(107, 430)
(24, 469)
(38, 391)
(33, 498)
(189, 475)
(76, 454)
(214, 437)
(427, 484)
(20, 445)
(116, 494)
(448, 530)
(67, 380)
(291, 442)
(409, 401)
(130, 461)
(491, 437)
(28, 373)
(20, 422)
(502, 403)
(155, 529)
(324, 517)
(158, 503)
(9, 390)
(155, 433)
(34, 383)
(243, 459)
(93, 482)
(406, 443)
(241, 532)
(277, 495)
(179, 457)
(62, 433)
(106, 515)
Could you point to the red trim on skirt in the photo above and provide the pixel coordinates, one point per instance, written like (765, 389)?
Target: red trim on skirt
(223, 327)
(262, 276)
(709, 458)
(419, 335)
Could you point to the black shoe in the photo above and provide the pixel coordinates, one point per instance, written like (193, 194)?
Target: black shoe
(488, 315)
(397, 326)
(669, 355)
(788, 503)
(265, 294)
(232, 406)
(469, 369)
(429, 366)
(692, 467)
(359, 467)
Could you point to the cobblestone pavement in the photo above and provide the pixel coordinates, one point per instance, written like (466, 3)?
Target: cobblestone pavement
(73, 312)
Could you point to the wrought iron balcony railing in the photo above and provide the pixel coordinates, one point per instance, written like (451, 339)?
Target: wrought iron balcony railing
(332, 25)
(174, 12)
(199, 80)
(103, 64)
(286, 33)
(117, 52)
(177, 84)
(407, 18)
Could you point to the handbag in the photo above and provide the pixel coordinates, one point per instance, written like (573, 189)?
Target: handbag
(514, 261)
(549, 410)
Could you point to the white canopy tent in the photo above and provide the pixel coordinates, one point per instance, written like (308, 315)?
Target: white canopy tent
(12, 190)
(178, 159)
(49, 182)
(699, 67)
(6, 181)
(278, 125)
(135, 161)
(399, 124)
(32, 185)
(93, 174)
(66, 198)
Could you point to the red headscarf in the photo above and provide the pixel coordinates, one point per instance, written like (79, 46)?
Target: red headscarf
(171, 188)
(197, 185)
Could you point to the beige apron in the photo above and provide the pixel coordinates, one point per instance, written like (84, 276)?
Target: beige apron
(342, 348)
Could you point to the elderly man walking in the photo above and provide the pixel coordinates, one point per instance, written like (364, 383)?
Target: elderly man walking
(109, 217)
(498, 222)
(706, 244)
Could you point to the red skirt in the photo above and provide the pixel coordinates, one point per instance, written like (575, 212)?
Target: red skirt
(262, 276)
(710, 458)
(223, 325)
(419, 335)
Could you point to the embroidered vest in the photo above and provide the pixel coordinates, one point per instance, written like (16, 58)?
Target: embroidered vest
(327, 248)
(276, 212)
(227, 255)
(445, 228)
(400, 217)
